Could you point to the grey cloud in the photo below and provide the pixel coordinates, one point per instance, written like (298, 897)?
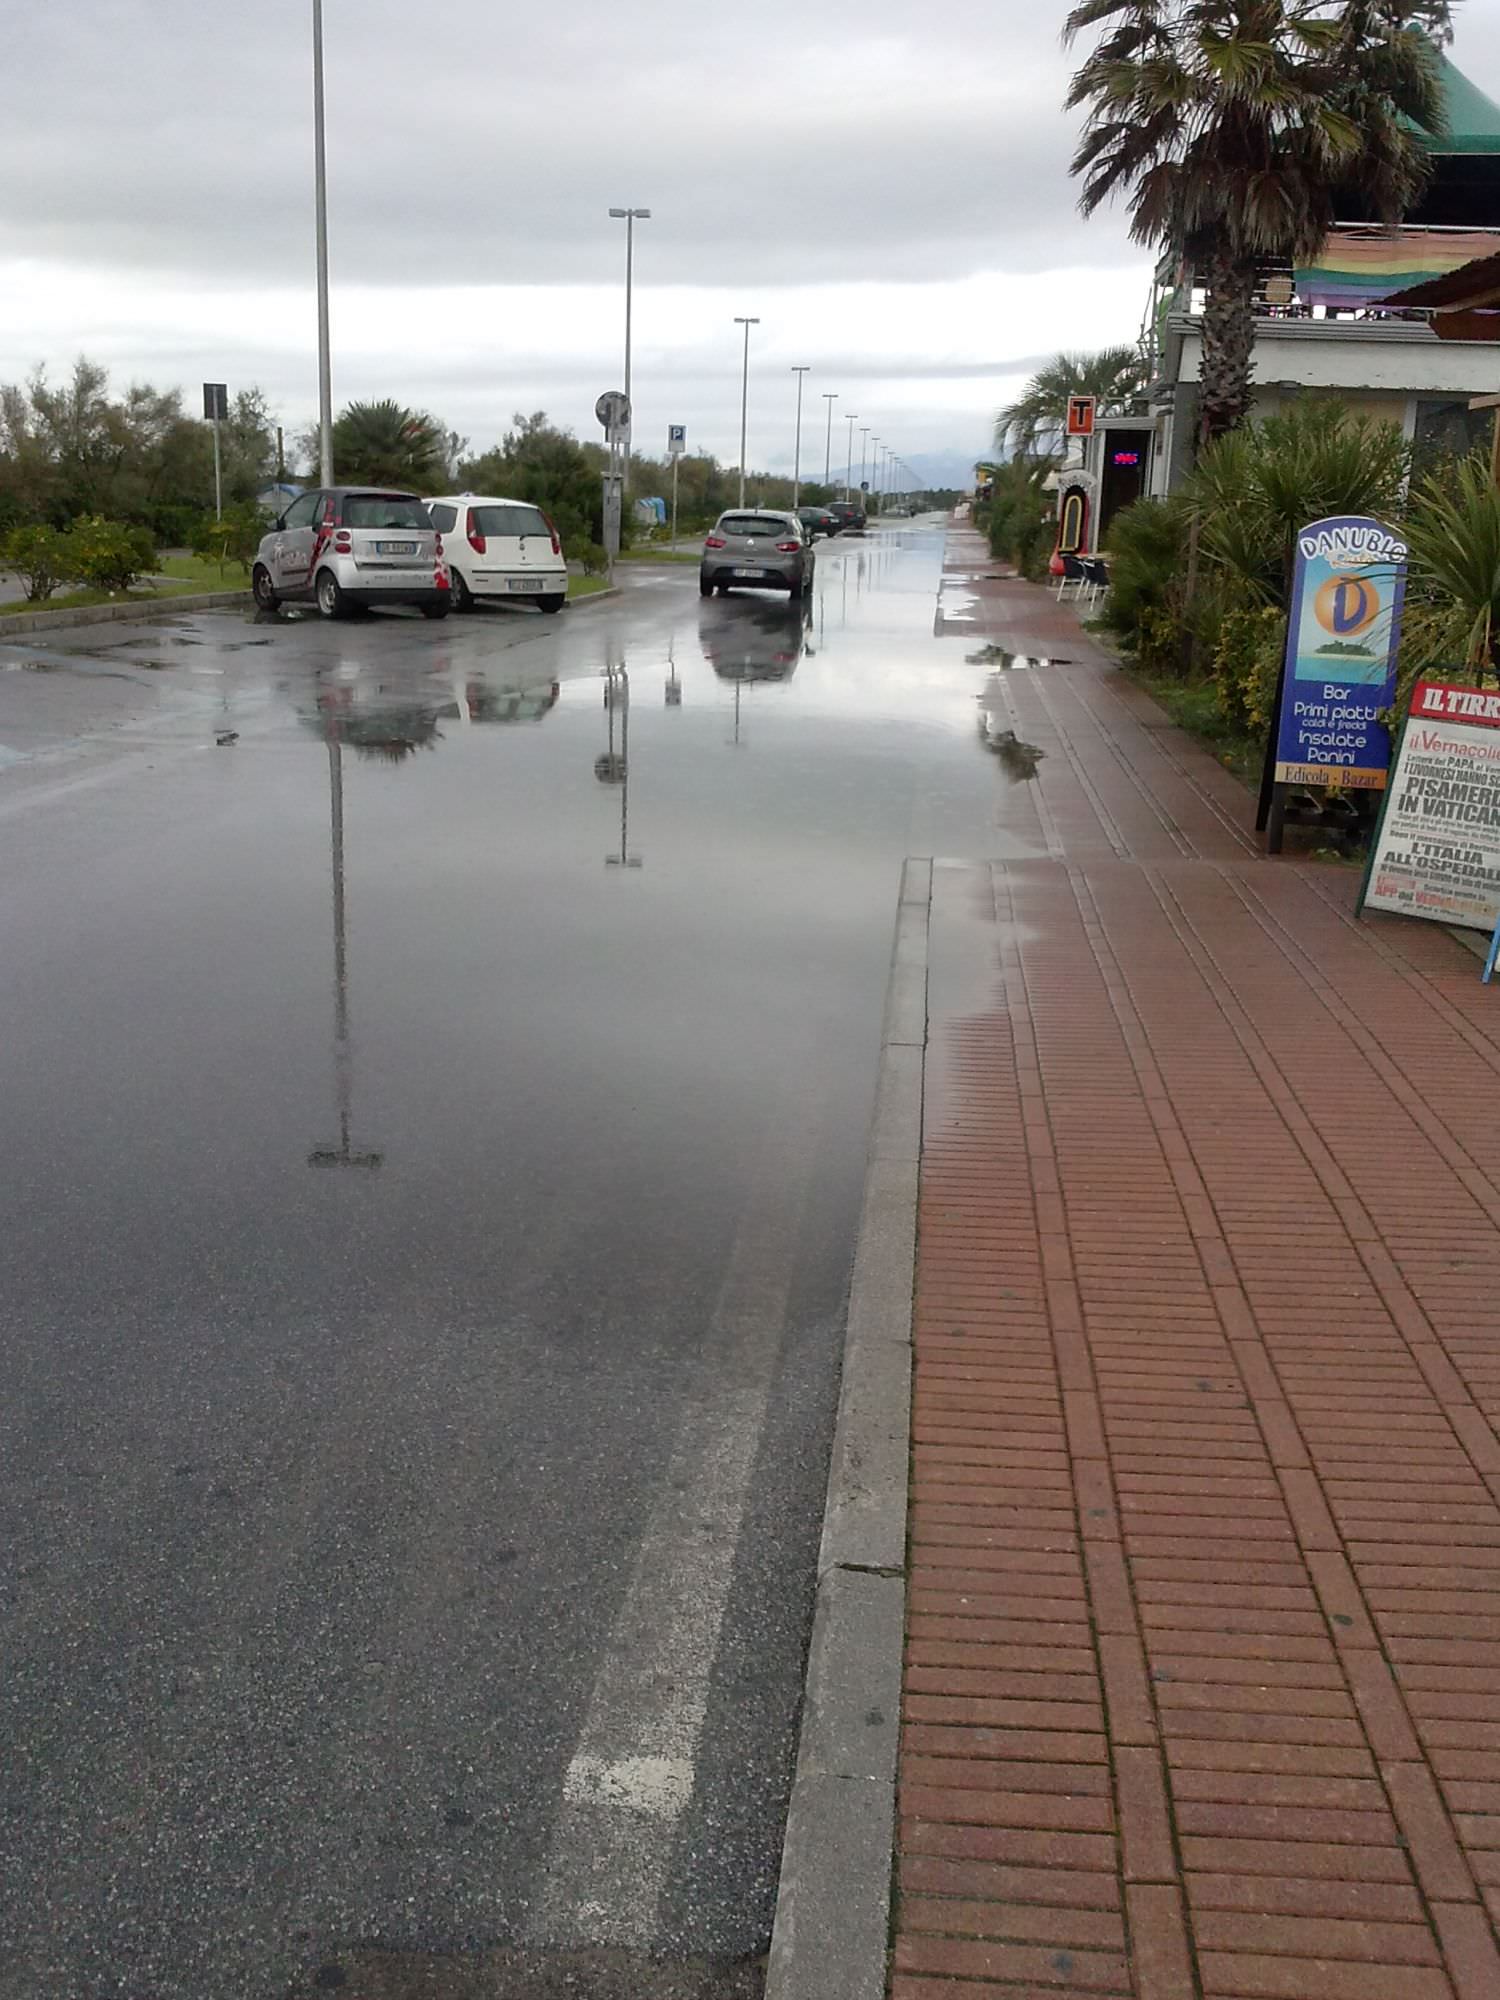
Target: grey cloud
(484, 145)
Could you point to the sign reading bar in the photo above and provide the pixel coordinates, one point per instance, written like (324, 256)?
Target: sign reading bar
(1437, 848)
(1340, 671)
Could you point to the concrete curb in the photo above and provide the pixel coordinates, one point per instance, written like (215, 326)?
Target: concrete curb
(832, 1931)
(111, 614)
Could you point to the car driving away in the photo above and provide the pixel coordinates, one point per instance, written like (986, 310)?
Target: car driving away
(498, 548)
(758, 548)
(849, 515)
(818, 521)
(348, 546)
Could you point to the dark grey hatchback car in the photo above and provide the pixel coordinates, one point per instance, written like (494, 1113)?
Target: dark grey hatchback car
(759, 549)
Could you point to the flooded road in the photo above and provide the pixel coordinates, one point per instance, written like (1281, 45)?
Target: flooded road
(435, 1071)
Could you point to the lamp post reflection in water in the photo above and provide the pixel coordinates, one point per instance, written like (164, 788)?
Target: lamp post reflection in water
(613, 768)
(344, 1154)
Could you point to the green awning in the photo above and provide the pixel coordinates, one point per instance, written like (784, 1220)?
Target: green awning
(1473, 118)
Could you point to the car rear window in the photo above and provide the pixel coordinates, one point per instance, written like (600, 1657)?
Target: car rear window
(444, 519)
(511, 518)
(752, 524)
(384, 510)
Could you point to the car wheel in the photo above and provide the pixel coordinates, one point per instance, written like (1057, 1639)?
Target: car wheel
(439, 610)
(263, 589)
(796, 589)
(330, 597)
(705, 588)
(553, 603)
(463, 597)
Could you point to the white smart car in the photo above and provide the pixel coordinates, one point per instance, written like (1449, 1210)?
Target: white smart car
(498, 548)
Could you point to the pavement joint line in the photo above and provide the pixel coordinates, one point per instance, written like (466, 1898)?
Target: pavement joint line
(831, 1935)
(1365, 1696)
(1315, 1150)
(1133, 777)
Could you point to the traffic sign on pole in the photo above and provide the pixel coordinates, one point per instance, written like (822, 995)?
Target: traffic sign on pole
(676, 439)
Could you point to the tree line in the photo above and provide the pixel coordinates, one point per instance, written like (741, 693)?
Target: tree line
(77, 449)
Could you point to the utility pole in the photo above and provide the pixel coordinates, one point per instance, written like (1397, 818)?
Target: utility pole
(744, 397)
(797, 446)
(320, 198)
(830, 397)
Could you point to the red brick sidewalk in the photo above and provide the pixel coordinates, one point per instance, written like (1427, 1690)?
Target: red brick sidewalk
(1202, 1692)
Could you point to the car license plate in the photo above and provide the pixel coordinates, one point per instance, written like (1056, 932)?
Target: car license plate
(749, 572)
(395, 548)
(526, 583)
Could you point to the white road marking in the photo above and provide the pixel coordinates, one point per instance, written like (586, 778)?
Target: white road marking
(632, 1772)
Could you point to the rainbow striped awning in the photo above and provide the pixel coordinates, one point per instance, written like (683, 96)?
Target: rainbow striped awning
(1359, 267)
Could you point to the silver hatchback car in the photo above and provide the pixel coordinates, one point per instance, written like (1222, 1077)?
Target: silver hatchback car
(769, 551)
(353, 545)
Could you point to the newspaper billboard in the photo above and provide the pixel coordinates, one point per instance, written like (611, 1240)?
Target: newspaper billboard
(1437, 849)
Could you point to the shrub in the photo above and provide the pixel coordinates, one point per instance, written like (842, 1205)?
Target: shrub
(1145, 580)
(41, 556)
(592, 556)
(1246, 663)
(108, 555)
(232, 540)
(1021, 519)
(1454, 535)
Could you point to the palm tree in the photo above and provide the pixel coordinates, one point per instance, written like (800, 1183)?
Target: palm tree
(390, 446)
(1236, 125)
(1036, 420)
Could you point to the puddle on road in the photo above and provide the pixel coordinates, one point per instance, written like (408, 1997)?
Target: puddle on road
(997, 656)
(1018, 759)
(530, 1975)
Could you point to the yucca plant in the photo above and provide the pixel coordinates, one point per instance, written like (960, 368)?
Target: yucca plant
(1252, 490)
(1453, 533)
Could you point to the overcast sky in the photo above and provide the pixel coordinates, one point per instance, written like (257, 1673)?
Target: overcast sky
(886, 188)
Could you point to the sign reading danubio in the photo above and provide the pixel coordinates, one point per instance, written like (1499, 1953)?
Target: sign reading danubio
(1437, 849)
(1341, 654)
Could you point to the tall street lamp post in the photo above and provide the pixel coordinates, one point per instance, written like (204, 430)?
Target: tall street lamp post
(630, 217)
(864, 457)
(320, 202)
(744, 396)
(849, 461)
(830, 397)
(797, 446)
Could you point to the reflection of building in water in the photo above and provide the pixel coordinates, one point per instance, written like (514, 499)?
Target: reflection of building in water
(524, 703)
(746, 639)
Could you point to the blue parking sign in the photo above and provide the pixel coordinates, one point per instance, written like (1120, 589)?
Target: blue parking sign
(676, 439)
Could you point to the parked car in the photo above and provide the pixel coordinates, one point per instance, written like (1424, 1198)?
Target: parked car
(817, 521)
(499, 548)
(352, 545)
(849, 515)
(770, 550)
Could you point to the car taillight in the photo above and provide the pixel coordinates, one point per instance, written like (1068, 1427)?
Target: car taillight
(556, 538)
(343, 542)
(476, 540)
(787, 548)
(715, 542)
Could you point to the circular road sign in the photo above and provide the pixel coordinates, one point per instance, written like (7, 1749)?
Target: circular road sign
(613, 409)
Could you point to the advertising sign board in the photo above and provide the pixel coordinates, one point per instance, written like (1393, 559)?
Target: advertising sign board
(1340, 671)
(1437, 849)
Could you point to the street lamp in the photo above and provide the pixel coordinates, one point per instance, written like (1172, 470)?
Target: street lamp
(744, 396)
(864, 458)
(830, 397)
(320, 204)
(629, 216)
(875, 471)
(797, 446)
(849, 462)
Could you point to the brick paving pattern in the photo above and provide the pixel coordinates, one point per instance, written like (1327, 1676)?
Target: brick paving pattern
(1202, 1690)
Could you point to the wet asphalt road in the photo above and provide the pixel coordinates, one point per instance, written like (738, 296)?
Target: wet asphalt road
(433, 1130)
